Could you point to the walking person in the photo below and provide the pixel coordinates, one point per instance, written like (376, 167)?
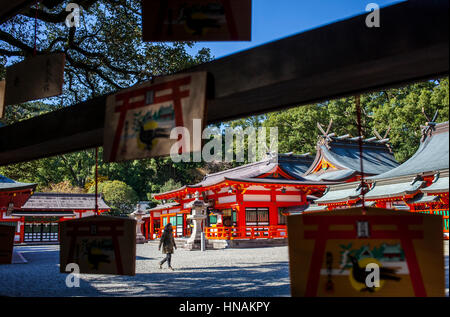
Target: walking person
(168, 243)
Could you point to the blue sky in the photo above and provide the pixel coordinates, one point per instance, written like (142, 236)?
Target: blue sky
(275, 19)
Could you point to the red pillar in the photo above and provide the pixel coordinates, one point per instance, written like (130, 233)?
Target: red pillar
(240, 209)
(151, 226)
(22, 229)
(273, 210)
(303, 197)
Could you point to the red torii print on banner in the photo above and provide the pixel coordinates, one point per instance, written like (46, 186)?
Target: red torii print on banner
(175, 95)
(403, 233)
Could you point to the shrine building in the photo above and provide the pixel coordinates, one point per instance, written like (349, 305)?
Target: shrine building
(36, 216)
(252, 201)
(12, 196)
(420, 184)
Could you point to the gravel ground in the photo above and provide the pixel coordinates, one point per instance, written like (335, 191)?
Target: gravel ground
(221, 273)
(229, 272)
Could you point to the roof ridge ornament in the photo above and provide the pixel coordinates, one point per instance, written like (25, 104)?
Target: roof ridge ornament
(325, 138)
(430, 125)
(325, 134)
(384, 139)
(364, 187)
(272, 156)
(417, 178)
(436, 177)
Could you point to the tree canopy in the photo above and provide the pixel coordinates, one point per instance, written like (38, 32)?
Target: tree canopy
(118, 195)
(399, 110)
(103, 54)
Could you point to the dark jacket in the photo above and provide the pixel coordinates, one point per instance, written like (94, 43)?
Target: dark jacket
(167, 242)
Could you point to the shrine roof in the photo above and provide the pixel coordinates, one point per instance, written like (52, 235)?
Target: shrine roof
(397, 187)
(332, 176)
(343, 153)
(7, 184)
(164, 206)
(291, 164)
(42, 213)
(431, 156)
(63, 201)
(277, 181)
(393, 190)
(423, 199)
(314, 207)
(339, 195)
(441, 185)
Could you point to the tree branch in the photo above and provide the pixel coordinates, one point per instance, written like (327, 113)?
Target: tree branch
(15, 42)
(94, 69)
(59, 17)
(11, 53)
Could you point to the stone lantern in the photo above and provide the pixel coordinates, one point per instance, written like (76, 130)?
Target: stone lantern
(197, 238)
(137, 215)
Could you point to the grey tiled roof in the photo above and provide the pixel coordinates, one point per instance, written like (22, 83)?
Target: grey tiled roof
(431, 156)
(60, 201)
(294, 165)
(43, 213)
(164, 206)
(441, 185)
(276, 181)
(332, 176)
(344, 154)
(9, 184)
(376, 159)
(314, 207)
(423, 199)
(333, 196)
(244, 171)
(393, 190)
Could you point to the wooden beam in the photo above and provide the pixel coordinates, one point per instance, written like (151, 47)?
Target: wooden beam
(336, 60)
(9, 8)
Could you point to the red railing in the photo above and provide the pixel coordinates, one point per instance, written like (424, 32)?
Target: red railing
(158, 233)
(253, 232)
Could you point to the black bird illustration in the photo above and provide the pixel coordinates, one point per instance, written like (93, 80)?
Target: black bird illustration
(96, 259)
(147, 136)
(360, 274)
(195, 23)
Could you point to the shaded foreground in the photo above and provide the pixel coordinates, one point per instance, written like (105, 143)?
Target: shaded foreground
(217, 273)
(230, 272)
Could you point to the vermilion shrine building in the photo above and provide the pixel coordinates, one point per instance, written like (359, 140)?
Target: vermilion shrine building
(36, 215)
(246, 201)
(421, 184)
(12, 196)
(253, 200)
